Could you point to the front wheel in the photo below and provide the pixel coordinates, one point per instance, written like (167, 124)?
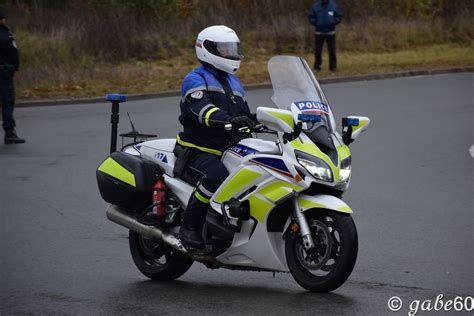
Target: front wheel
(328, 266)
(157, 260)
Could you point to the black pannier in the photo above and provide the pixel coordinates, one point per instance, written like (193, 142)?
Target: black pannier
(127, 181)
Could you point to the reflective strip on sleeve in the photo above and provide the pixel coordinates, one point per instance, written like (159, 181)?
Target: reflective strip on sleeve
(203, 110)
(208, 115)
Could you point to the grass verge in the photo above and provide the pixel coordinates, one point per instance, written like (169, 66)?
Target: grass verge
(92, 80)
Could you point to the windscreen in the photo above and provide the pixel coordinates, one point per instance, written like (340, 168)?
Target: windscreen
(295, 88)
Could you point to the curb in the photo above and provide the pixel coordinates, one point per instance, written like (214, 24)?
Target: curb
(265, 85)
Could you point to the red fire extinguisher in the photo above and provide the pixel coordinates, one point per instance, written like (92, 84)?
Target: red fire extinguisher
(159, 198)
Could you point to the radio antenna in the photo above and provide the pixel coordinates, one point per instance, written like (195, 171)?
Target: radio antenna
(131, 123)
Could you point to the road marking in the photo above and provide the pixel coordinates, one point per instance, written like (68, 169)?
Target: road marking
(471, 151)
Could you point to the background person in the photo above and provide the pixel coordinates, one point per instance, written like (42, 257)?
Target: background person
(325, 15)
(9, 63)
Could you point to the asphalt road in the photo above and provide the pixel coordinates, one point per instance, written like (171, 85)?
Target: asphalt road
(412, 192)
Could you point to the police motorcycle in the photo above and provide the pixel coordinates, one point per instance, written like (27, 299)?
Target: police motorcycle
(279, 210)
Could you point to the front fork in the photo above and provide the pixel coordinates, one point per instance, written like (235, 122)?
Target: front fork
(308, 242)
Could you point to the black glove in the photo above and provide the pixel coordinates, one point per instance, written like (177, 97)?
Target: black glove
(254, 117)
(242, 121)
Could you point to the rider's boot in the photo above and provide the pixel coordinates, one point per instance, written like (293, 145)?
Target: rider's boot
(191, 236)
(12, 138)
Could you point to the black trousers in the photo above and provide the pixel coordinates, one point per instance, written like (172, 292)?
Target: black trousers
(7, 99)
(214, 174)
(319, 43)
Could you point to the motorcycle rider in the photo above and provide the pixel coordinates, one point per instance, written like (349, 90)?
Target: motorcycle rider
(212, 96)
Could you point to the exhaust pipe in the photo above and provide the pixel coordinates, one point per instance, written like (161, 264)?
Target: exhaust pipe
(119, 215)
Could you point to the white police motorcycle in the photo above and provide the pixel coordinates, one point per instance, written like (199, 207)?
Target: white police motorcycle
(280, 209)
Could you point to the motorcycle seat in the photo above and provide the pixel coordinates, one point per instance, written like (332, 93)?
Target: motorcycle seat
(181, 169)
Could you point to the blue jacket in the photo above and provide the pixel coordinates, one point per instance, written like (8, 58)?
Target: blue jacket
(8, 51)
(206, 108)
(325, 17)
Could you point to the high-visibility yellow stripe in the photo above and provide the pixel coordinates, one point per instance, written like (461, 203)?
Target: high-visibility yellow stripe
(208, 115)
(362, 122)
(277, 190)
(307, 204)
(285, 117)
(114, 169)
(343, 152)
(239, 181)
(259, 208)
(201, 198)
(208, 150)
(345, 209)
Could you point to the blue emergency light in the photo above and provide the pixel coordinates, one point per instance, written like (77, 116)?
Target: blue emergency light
(116, 97)
(313, 118)
(351, 122)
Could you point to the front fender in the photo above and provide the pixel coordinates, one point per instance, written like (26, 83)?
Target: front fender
(325, 201)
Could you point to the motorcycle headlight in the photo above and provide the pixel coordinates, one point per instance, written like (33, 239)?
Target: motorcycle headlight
(318, 168)
(345, 171)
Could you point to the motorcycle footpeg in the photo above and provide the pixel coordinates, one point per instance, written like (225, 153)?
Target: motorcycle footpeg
(194, 248)
(199, 251)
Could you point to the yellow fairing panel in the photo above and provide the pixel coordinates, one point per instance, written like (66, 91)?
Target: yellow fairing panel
(240, 180)
(277, 190)
(261, 203)
(114, 169)
(323, 201)
(259, 208)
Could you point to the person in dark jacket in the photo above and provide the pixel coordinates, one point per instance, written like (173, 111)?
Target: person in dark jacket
(212, 96)
(325, 15)
(9, 63)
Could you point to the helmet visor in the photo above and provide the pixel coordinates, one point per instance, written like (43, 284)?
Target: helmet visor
(229, 50)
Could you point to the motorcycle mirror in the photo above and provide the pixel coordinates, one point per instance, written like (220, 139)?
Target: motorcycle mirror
(352, 127)
(296, 132)
(350, 121)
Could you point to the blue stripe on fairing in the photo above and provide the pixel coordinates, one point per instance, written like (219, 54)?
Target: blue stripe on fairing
(242, 150)
(272, 162)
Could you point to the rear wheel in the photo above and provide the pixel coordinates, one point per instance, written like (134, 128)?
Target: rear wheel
(157, 260)
(331, 262)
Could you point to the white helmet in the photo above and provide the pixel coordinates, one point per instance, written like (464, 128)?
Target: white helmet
(219, 46)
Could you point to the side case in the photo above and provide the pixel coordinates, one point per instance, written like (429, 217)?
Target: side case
(127, 181)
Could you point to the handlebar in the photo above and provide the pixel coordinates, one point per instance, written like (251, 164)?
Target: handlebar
(259, 128)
